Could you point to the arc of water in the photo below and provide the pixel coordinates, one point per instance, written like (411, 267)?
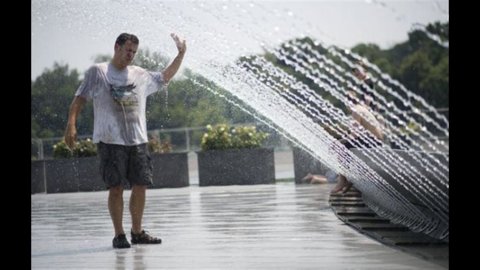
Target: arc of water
(421, 194)
(294, 84)
(282, 56)
(391, 106)
(397, 176)
(379, 97)
(419, 160)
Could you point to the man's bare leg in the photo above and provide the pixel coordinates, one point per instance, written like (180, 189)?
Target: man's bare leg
(319, 179)
(307, 178)
(115, 206)
(347, 187)
(341, 183)
(137, 205)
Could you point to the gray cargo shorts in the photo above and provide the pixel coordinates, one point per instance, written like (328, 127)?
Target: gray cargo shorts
(126, 165)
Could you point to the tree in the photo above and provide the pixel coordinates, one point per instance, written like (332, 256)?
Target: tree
(439, 29)
(52, 92)
(420, 63)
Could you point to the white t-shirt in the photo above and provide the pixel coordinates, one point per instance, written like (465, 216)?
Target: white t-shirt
(119, 100)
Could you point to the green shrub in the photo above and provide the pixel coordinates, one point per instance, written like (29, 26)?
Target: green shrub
(82, 148)
(410, 128)
(61, 150)
(157, 146)
(247, 137)
(224, 137)
(85, 148)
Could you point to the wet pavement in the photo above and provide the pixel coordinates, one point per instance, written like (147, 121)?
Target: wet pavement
(279, 226)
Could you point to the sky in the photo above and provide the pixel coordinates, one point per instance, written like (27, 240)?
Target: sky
(74, 32)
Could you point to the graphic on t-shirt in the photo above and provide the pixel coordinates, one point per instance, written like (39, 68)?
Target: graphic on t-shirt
(124, 95)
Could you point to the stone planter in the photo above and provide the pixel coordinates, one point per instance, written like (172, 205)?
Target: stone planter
(88, 173)
(304, 163)
(65, 175)
(38, 176)
(61, 175)
(82, 174)
(236, 167)
(170, 170)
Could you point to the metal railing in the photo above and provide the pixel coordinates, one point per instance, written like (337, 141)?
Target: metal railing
(183, 139)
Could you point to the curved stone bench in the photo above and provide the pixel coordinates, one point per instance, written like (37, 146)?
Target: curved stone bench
(412, 196)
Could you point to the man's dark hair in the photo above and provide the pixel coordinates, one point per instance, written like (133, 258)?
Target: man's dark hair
(352, 96)
(123, 37)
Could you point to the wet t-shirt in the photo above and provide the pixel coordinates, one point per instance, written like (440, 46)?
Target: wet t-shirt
(119, 100)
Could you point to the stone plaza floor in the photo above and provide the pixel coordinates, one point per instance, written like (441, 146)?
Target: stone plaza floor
(278, 226)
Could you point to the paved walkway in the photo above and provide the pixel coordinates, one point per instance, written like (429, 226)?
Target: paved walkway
(281, 226)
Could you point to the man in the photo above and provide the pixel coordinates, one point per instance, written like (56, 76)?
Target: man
(119, 92)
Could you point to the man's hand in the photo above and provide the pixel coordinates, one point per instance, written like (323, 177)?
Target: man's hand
(181, 44)
(170, 71)
(70, 136)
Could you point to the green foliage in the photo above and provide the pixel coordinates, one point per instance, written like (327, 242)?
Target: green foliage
(413, 68)
(217, 137)
(439, 29)
(52, 93)
(223, 137)
(369, 51)
(188, 104)
(61, 150)
(82, 148)
(409, 128)
(150, 61)
(85, 148)
(420, 63)
(157, 146)
(247, 137)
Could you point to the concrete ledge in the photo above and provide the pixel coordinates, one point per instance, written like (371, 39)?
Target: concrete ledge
(382, 230)
(410, 195)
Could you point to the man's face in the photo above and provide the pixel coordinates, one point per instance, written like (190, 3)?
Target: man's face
(126, 52)
(358, 73)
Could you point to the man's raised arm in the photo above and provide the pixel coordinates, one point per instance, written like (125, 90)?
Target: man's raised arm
(170, 71)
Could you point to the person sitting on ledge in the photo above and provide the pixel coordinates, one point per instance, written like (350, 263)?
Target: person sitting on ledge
(362, 115)
(366, 85)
